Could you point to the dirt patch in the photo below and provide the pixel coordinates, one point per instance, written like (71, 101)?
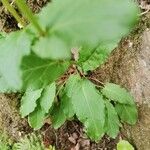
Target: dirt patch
(10, 121)
(8, 22)
(71, 136)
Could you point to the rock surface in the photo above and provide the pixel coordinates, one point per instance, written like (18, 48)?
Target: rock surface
(140, 87)
(129, 66)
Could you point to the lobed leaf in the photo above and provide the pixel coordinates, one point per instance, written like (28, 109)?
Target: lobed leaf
(127, 113)
(38, 73)
(58, 117)
(36, 118)
(90, 59)
(88, 106)
(116, 93)
(112, 120)
(64, 110)
(47, 97)
(29, 102)
(66, 106)
(13, 48)
(84, 24)
(51, 47)
(45, 102)
(71, 84)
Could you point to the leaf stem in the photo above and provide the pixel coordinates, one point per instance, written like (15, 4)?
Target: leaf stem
(13, 12)
(94, 79)
(29, 15)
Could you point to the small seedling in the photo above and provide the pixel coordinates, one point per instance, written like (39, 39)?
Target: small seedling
(124, 145)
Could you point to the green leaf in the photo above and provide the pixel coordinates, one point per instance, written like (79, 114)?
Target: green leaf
(124, 145)
(36, 118)
(89, 106)
(12, 48)
(58, 117)
(90, 59)
(2, 35)
(127, 113)
(52, 47)
(38, 73)
(112, 120)
(4, 87)
(86, 24)
(71, 84)
(63, 111)
(47, 97)
(66, 106)
(116, 93)
(28, 102)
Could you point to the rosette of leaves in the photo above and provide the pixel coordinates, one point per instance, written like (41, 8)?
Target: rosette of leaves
(38, 60)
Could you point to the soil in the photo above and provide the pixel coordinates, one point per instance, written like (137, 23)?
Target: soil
(10, 121)
(129, 66)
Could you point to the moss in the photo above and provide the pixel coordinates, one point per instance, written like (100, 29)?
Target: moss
(5, 143)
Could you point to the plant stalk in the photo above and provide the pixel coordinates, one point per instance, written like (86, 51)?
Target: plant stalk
(13, 12)
(29, 15)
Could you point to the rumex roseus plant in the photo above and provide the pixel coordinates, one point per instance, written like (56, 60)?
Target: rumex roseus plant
(49, 59)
